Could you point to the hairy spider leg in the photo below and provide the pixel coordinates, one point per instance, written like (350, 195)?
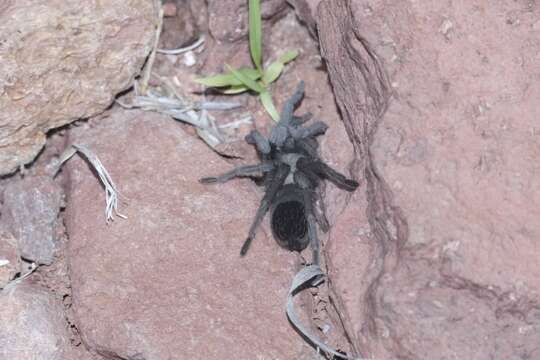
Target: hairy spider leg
(319, 210)
(245, 170)
(280, 132)
(277, 182)
(326, 172)
(312, 227)
(299, 120)
(309, 146)
(308, 179)
(315, 129)
(288, 108)
(261, 143)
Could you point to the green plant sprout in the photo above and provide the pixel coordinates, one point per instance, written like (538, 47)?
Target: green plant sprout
(255, 79)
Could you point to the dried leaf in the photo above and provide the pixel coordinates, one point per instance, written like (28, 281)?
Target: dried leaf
(309, 276)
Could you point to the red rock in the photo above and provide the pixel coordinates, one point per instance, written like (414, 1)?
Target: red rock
(452, 195)
(169, 9)
(169, 280)
(32, 325)
(179, 26)
(306, 10)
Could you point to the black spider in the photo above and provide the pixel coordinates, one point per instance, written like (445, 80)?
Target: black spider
(291, 171)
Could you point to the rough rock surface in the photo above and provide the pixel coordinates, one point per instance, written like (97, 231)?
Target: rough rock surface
(61, 61)
(169, 280)
(179, 25)
(9, 257)
(452, 188)
(286, 33)
(228, 20)
(306, 10)
(30, 213)
(32, 326)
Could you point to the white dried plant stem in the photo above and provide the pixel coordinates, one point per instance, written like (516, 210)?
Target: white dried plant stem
(12, 283)
(216, 105)
(173, 104)
(182, 50)
(196, 115)
(311, 275)
(111, 192)
(56, 164)
(235, 124)
(208, 131)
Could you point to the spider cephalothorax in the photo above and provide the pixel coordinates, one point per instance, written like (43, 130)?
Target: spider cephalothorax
(291, 170)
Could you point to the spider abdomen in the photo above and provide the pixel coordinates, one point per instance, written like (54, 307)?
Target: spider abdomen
(288, 218)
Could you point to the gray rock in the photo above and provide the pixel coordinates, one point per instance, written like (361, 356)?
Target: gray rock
(32, 325)
(30, 212)
(9, 257)
(64, 60)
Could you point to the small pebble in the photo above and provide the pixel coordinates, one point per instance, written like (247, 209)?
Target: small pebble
(445, 27)
(189, 59)
(169, 9)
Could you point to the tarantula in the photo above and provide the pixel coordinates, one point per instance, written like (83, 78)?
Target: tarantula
(291, 171)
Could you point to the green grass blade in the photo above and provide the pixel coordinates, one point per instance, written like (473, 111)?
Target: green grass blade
(266, 100)
(246, 80)
(288, 56)
(272, 72)
(229, 79)
(251, 73)
(218, 80)
(255, 33)
(237, 89)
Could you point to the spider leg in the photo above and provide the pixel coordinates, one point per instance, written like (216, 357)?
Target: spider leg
(319, 210)
(326, 172)
(279, 135)
(280, 132)
(245, 170)
(315, 129)
(288, 108)
(256, 138)
(309, 146)
(307, 179)
(279, 178)
(299, 120)
(309, 182)
(312, 226)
